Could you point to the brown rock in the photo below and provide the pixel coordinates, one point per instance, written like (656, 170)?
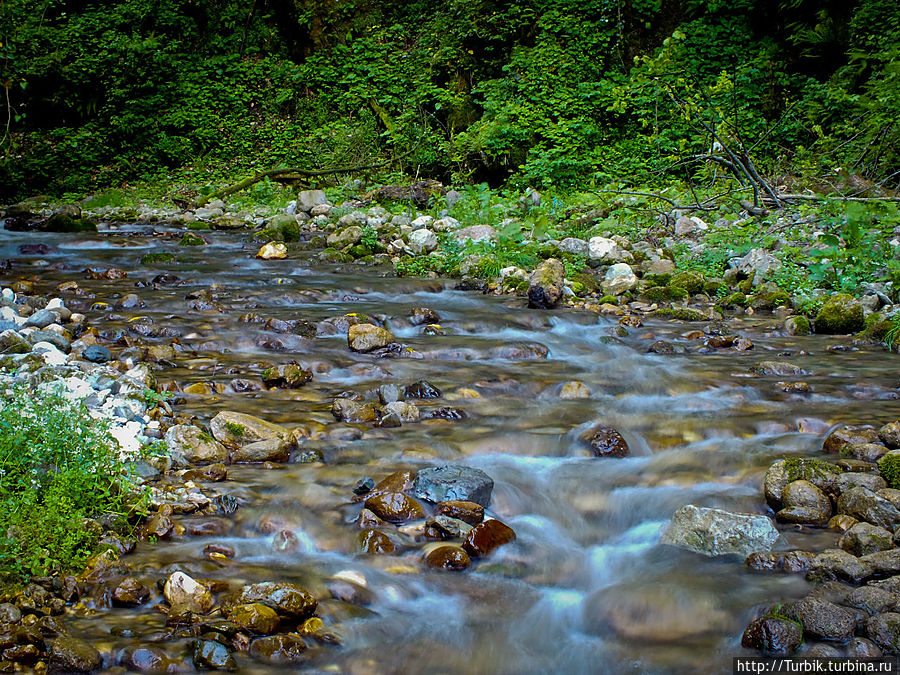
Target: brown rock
(395, 507)
(268, 450)
(804, 503)
(846, 435)
(130, 592)
(254, 618)
(288, 599)
(487, 536)
(367, 337)
(279, 649)
(867, 452)
(399, 481)
(451, 558)
(374, 542)
(604, 441)
(468, 512)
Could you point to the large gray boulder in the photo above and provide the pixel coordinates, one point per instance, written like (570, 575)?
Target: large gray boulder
(461, 483)
(715, 532)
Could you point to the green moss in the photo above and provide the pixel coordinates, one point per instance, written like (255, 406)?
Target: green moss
(198, 226)
(235, 429)
(609, 300)
(889, 468)
(155, 258)
(681, 314)
(806, 468)
(678, 293)
(840, 314)
(801, 325)
(770, 299)
(61, 222)
(875, 331)
(735, 300)
(205, 437)
(745, 286)
(191, 240)
(712, 286)
(657, 279)
(578, 288)
(588, 281)
(656, 294)
(692, 281)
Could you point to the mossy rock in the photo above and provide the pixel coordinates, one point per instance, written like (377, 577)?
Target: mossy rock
(681, 314)
(736, 299)
(657, 279)
(841, 314)
(284, 228)
(889, 468)
(332, 256)
(198, 226)
(609, 300)
(678, 293)
(191, 240)
(770, 299)
(359, 251)
(157, 258)
(691, 281)
(875, 331)
(745, 286)
(588, 281)
(63, 222)
(656, 294)
(712, 287)
(317, 241)
(578, 288)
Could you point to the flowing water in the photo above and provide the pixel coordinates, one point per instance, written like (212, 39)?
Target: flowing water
(586, 586)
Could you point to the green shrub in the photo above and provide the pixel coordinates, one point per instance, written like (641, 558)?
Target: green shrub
(58, 467)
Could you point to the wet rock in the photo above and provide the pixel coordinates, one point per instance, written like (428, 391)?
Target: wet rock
(254, 617)
(822, 619)
(9, 613)
(884, 563)
(363, 486)
(773, 635)
(890, 434)
(212, 655)
(395, 507)
(574, 390)
(884, 630)
(604, 441)
(834, 563)
(453, 483)
(188, 444)
(661, 347)
(486, 537)
(546, 284)
(466, 511)
(861, 648)
(366, 337)
(804, 503)
(399, 481)
(279, 649)
(452, 558)
(405, 412)
(274, 250)
(779, 368)
(348, 410)
(285, 541)
(130, 592)
(871, 599)
(848, 480)
(159, 525)
(715, 532)
(840, 314)
(785, 471)
(374, 542)
(866, 452)
(234, 429)
(444, 527)
(846, 435)
(268, 450)
(287, 599)
(71, 655)
(182, 590)
(863, 539)
(788, 561)
(422, 389)
(863, 504)
(420, 316)
(289, 376)
(842, 523)
(148, 660)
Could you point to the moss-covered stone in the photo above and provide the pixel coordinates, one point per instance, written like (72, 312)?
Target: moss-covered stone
(681, 313)
(609, 300)
(657, 279)
(765, 299)
(691, 281)
(199, 226)
(656, 294)
(797, 325)
(889, 468)
(712, 286)
(64, 222)
(745, 286)
(156, 258)
(736, 299)
(840, 314)
(191, 240)
(678, 293)
(588, 281)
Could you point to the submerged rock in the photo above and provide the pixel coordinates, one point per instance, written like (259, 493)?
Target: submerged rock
(604, 441)
(395, 507)
(486, 537)
(71, 655)
(452, 558)
(773, 635)
(715, 532)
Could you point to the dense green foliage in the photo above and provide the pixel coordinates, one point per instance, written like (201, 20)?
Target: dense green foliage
(546, 92)
(58, 467)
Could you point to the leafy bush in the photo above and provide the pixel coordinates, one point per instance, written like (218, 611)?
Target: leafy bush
(58, 467)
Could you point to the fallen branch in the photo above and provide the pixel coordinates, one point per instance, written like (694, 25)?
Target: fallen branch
(841, 198)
